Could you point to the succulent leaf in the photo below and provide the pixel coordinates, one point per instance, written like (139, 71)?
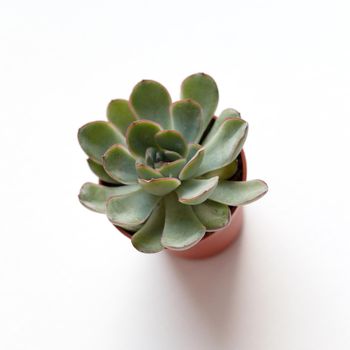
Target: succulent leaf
(202, 88)
(148, 238)
(171, 156)
(100, 172)
(95, 197)
(96, 137)
(140, 137)
(213, 215)
(196, 191)
(171, 140)
(120, 113)
(182, 228)
(146, 172)
(225, 145)
(236, 193)
(192, 150)
(131, 209)
(187, 118)
(172, 169)
(224, 173)
(191, 168)
(120, 164)
(152, 101)
(161, 186)
(224, 115)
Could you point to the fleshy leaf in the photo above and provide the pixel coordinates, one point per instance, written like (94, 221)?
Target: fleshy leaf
(131, 209)
(171, 156)
(95, 197)
(152, 101)
(187, 119)
(239, 192)
(224, 173)
(192, 150)
(146, 172)
(172, 169)
(140, 136)
(120, 113)
(148, 238)
(96, 137)
(224, 115)
(161, 186)
(100, 172)
(202, 88)
(171, 140)
(182, 228)
(212, 215)
(224, 146)
(191, 168)
(120, 164)
(196, 191)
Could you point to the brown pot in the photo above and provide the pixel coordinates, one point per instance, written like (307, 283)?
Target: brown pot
(214, 242)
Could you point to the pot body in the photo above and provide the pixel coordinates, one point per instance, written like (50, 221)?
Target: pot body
(214, 242)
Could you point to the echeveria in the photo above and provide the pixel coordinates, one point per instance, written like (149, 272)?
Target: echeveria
(166, 168)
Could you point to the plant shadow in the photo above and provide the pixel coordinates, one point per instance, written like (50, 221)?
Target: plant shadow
(209, 285)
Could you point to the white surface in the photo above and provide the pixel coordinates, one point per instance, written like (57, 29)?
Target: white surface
(68, 280)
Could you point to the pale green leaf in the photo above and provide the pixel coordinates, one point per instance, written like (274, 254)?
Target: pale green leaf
(236, 193)
(140, 137)
(224, 146)
(228, 113)
(191, 168)
(202, 88)
(213, 215)
(161, 186)
(95, 197)
(96, 137)
(182, 228)
(187, 119)
(131, 209)
(171, 140)
(120, 164)
(151, 100)
(120, 113)
(196, 191)
(100, 172)
(148, 238)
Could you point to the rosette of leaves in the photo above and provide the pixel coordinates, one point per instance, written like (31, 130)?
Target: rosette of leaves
(165, 175)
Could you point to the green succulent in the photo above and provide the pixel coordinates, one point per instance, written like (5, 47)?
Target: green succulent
(166, 168)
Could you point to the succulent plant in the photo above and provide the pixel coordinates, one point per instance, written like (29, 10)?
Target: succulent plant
(166, 169)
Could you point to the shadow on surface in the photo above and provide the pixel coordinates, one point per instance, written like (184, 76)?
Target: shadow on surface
(210, 286)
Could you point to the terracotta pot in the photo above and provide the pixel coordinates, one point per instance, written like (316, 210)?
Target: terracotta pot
(214, 242)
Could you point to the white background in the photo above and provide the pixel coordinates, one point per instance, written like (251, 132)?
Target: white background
(69, 280)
